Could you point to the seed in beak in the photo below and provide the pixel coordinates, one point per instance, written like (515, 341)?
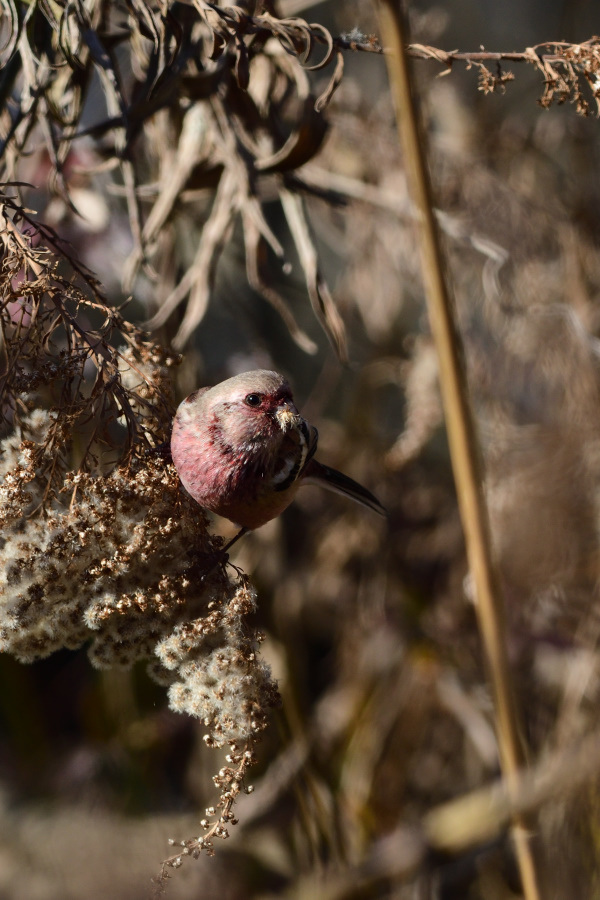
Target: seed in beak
(286, 416)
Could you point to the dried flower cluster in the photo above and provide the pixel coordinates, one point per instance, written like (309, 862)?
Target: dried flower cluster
(220, 679)
(205, 103)
(230, 781)
(99, 545)
(107, 565)
(569, 71)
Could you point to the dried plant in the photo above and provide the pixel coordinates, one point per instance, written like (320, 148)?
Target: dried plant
(99, 544)
(220, 98)
(569, 71)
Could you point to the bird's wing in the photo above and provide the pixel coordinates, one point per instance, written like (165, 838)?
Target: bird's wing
(311, 438)
(296, 455)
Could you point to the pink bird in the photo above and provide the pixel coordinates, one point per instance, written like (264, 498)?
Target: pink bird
(242, 450)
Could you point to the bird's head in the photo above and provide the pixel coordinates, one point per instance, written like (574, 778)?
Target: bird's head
(255, 406)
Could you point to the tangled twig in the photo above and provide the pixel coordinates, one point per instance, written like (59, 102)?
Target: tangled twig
(565, 68)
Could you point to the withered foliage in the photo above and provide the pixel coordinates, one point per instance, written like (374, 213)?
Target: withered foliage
(58, 329)
(99, 544)
(196, 98)
(570, 72)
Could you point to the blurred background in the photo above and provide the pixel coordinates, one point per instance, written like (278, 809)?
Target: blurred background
(369, 624)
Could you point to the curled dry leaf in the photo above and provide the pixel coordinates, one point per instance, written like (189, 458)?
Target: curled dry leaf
(186, 60)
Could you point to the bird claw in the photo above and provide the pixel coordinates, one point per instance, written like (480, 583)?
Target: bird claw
(205, 563)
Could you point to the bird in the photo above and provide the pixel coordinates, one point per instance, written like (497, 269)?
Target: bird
(242, 450)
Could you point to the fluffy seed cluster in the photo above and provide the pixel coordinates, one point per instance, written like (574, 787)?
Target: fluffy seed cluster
(17, 469)
(126, 564)
(99, 543)
(220, 678)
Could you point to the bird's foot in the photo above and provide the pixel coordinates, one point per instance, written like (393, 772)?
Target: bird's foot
(205, 563)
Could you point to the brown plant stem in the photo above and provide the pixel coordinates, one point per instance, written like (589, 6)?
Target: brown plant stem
(464, 449)
(530, 55)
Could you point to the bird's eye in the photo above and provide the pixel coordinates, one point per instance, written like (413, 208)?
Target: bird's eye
(253, 399)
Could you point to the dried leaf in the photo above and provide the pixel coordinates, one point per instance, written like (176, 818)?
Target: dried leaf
(320, 296)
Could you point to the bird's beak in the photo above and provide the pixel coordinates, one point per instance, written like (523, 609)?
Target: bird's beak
(287, 416)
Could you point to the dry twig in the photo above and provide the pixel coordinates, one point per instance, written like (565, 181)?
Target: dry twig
(567, 69)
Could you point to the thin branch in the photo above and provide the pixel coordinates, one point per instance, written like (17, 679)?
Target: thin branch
(529, 55)
(566, 69)
(464, 449)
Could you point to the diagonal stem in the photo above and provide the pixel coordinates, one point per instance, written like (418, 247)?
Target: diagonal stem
(464, 448)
